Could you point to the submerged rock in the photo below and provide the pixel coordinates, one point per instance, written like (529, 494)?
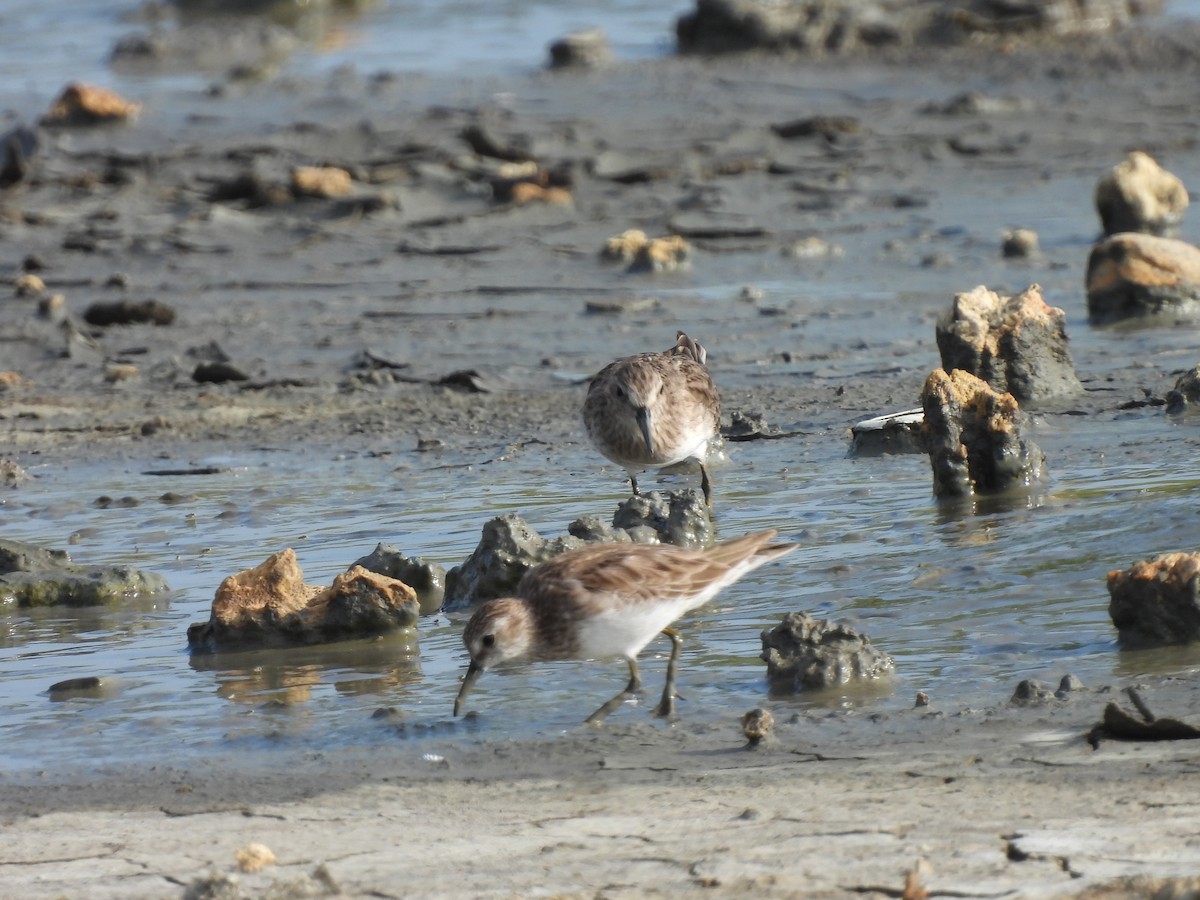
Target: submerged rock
(804, 653)
(973, 439)
(34, 576)
(1139, 195)
(1156, 601)
(271, 606)
(1135, 275)
(1016, 344)
(427, 579)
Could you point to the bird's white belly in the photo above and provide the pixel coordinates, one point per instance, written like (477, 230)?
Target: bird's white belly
(626, 629)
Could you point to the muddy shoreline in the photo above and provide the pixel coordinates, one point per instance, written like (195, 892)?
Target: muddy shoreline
(303, 295)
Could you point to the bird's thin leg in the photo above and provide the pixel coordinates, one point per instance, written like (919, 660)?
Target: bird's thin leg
(706, 486)
(633, 481)
(666, 706)
(631, 689)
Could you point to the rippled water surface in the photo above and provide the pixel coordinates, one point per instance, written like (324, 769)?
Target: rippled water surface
(967, 601)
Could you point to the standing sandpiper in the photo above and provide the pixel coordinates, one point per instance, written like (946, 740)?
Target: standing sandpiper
(607, 600)
(654, 410)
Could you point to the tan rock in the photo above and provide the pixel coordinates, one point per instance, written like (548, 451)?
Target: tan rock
(972, 435)
(115, 372)
(253, 857)
(270, 605)
(1016, 344)
(1139, 195)
(1156, 601)
(321, 181)
(526, 192)
(665, 254)
(624, 247)
(85, 104)
(1134, 275)
(29, 285)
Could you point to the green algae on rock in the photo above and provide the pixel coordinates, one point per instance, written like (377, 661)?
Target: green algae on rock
(35, 576)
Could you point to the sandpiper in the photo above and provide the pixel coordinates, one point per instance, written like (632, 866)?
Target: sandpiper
(607, 600)
(654, 410)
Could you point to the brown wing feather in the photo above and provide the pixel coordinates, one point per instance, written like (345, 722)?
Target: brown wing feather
(632, 573)
(636, 573)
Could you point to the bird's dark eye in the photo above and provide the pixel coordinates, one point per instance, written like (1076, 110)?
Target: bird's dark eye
(619, 391)
(489, 640)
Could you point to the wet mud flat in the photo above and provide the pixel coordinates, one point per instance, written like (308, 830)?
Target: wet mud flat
(345, 312)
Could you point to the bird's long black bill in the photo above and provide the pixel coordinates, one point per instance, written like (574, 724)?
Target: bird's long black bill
(647, 428)
(473, 673)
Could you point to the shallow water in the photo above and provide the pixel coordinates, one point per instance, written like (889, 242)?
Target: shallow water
(968, 601)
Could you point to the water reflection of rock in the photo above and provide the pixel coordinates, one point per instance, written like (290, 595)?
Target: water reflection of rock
(291, 676)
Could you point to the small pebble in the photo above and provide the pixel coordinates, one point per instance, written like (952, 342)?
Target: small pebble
(254, 857)
(757, 725)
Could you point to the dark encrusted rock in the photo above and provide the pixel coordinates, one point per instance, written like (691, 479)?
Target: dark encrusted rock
(675, 517)
(974, 442)
(587, 49)
(594, 529)
(840, 26)
(18, 148)
(1016, 344)
(1185, 393)
(11, 474)
(128, 312)
(1156, 601)
(271, 606)
(33, 576)
(1019, 243)
(217, 373)
(508, 548)
(427, 579)
(804, 653)
(1139, 195)
(1030, 692)
(1140, 275)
